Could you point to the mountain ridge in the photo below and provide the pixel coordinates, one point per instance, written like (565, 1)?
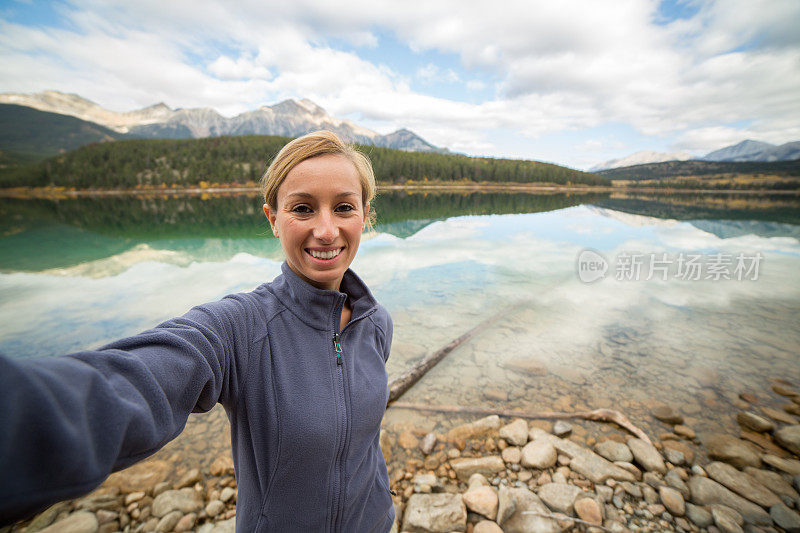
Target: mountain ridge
(289, 118)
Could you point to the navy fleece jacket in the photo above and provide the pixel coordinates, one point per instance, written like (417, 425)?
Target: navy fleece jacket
(305, 421)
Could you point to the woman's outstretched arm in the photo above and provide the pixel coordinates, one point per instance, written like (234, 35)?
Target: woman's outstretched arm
(67, 422)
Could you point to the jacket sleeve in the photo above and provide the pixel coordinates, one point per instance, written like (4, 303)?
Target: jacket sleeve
(67, 422)
(389, 332)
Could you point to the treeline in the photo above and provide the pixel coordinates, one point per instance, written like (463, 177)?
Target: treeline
(677, 169)
(130, 164)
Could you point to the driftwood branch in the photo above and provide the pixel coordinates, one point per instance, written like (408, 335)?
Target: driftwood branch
(404, 381)
(601, 415)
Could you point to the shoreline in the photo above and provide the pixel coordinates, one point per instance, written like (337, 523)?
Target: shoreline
(238, 190)
(493, 474)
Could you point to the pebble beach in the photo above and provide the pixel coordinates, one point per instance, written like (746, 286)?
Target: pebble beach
(493, 474)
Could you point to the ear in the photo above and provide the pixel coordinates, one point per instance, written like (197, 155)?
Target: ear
(366, 216)
(271, 216)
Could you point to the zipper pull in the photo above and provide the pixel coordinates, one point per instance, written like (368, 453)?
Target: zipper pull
(338, 348)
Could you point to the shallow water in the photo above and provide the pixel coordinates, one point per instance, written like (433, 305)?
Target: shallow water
(441, 265)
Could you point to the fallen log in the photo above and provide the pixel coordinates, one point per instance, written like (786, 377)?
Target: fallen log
(600, 415)
(399, 385)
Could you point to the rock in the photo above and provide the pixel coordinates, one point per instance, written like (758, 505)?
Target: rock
(478, 480)
(486, 526)
(516, 432)
(185, 500)
(79, 522)
(614, 451)
(773, 481)
(667, 415)
(698, 515)
(672, 500)
(674, 456)
(732, 450)
(46, 517)
(646, 455)
(789, 438)
(133, 497)
(559, 496)
(466, 466)
(189, 479)
(790, 466)
(160, 488)
(226, 526)
(186, 523)
(141, 477)
(407, 440)
(682, 447)
(784, 391)
(227, 494)
(727, 519)
(584, 461)
(478, 428)
(104, 517)
(222, 466)
(512, 455)
(435, 513)
(749, 397)
(742, 484)
(754, 422)
(589, 510)
(791, 408)
(517, 521)
(214, 508)
(539, 454)
(427, 443)
(676, 482)
(785, 518)
(684, 431)
(482, 500)
(708, 492)
(780, 416)
(561, 428)
(168, 522)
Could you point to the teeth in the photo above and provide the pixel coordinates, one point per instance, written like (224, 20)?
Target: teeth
(325, 255)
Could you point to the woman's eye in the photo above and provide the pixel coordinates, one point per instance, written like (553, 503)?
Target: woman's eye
(345, 208)
(301, 209)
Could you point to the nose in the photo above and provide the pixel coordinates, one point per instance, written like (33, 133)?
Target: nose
(326, 230)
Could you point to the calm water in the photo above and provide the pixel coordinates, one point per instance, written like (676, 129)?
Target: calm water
(75, 274)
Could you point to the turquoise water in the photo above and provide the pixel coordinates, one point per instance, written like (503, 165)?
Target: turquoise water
(77, 275)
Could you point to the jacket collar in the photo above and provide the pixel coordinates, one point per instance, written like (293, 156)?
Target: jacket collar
(320, 308)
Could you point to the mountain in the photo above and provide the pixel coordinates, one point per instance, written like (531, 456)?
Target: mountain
(750, 150)
(641, 158)
(28, 134)
(289, 118)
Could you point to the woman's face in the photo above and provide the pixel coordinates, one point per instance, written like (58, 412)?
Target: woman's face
(319, 218)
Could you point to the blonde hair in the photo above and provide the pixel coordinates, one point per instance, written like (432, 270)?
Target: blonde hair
(312, 145)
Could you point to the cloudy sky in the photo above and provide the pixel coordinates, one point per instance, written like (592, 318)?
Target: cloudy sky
(575, 82)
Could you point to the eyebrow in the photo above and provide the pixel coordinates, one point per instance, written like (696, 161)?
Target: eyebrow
(309, 195)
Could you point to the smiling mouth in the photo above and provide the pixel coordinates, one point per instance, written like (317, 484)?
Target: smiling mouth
(324, 254)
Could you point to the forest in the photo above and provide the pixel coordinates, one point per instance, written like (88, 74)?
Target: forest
(131, 164)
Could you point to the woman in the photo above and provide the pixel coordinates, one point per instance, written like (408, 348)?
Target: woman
(298, 364)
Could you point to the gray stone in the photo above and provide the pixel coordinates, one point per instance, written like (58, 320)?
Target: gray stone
(675, 457)
(674, 480)
(189, 479)
(185, 500)
(168, 522)
(539, 454)
(435, 513)
(519, 522)
(632, 489)
(785, 518)
(79, 522)
(427, 443)
(789, 438)
(773, 481)
(506, 505)
(727, 519)
(214, 508)
(227, 494)
(646, 455)
(604, 493)
(649, 494)
(790, 466)
(561, 428)
(708, 492)
(698, 515)
(732, 450)
(672, 500)
(754, 422)
(516, 433)
(667, 415)
(226, 526)
(584, 461)
(614, 451)
(742, 484)
(466, 466)
(559, 496)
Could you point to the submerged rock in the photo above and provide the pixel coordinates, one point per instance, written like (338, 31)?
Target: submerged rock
(732, 450)
(789, 438)
(667, 415)
(80, 522)
(466, 466)
(708, 492)
(785, 518)
(742, 484)
(478, 428)
(752, 421)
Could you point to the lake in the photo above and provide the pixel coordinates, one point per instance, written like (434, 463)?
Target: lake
(606, 300)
